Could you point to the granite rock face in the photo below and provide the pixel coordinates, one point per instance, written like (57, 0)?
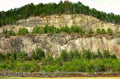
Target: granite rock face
(55, 43)
(81, 20)
(60, 21)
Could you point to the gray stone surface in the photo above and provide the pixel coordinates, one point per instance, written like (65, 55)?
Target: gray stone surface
(59, 74)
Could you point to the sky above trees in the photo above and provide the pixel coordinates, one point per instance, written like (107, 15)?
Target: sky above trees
(102, 5)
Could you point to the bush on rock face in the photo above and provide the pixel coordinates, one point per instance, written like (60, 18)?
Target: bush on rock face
(101, 31)
(22, 31)
(1, 56)
(38, 54)
(37, 30)
(110, 31)
(9, 32)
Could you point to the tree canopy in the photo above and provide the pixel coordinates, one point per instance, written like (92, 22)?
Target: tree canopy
(11, 16)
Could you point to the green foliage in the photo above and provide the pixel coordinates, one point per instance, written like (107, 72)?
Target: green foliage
(76, 55)
(10, 56)
(50, 29)
(106, 54)
(22, 31)
(77, 29)
(71, 66)
(110, 31)
(99, 53)
(53, 68)
(113, 56)
(90, 31)
(64, 55)
(38, 54)
(46, 29)
(37, 30)
(28, 66)
(11, 16)
(87, 54)
(9, 32)
(1, 56)
(22, 56)
(98, 31)
(53, 29)
(67, 62)
(70, 55)
(66, 29)
(47, 60)
(97, 65)
(101, 31)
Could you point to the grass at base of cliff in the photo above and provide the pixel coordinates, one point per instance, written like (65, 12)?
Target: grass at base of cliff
(60, 78)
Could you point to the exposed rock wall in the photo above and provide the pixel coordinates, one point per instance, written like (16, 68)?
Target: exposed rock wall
(55, 43)
(81, 20)
(62, 20)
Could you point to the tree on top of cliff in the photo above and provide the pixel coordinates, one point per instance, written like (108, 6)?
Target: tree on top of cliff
(11, 16)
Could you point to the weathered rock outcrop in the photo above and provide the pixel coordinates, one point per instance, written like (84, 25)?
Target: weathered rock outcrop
(55, 43)
(68, 20)
(62, 20)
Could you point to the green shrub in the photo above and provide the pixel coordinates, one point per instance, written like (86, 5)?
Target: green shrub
(46, 29)
(9, 32)
(76, 55)
(64, 55)
(70, 55)
(68, 61)
(1, 56)
(101, 31)
(86, 54)
(10, 56)
(25, 66)
(53, 29)
(107, 54)
(113, 56)
(98, 31)
(99, 65)
(99, 54)
(76, 29)
(22, 31)
(38, 54)
(51, 68)
(110, 31)
(22, 56)
(37, 30)
(65, 29)
(90, 31)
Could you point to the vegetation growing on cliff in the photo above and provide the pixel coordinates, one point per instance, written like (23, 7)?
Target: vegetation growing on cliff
(53, 29)
(73, 61)
(11, 16)
(22, 31)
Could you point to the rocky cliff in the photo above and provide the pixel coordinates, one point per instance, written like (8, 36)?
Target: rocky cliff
(62, 20)
(55, 43)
